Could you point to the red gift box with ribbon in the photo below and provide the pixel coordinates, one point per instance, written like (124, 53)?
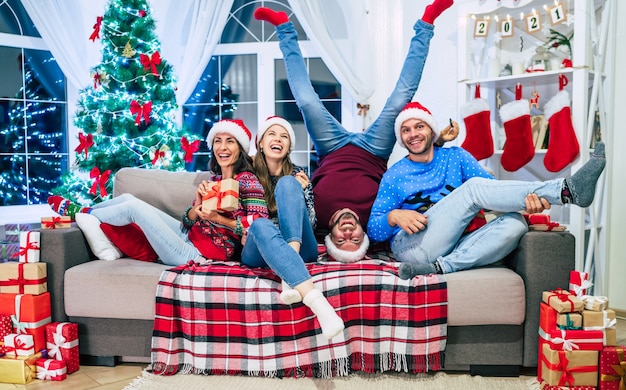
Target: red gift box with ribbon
(223, 196)
(613, 368)
(57, 222)
(579, 283)
(29, 315)
(569, 368)
(51, 370)
(62, 344)
(5, 329)
(19, 345)
(23, 278)
(29, 247)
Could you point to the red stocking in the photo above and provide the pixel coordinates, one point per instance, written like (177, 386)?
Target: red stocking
(269, 15)
(478, 140)
(518, 148)
(563, 147)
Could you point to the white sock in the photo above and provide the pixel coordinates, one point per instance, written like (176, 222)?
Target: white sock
(289, 295)
(330, 322)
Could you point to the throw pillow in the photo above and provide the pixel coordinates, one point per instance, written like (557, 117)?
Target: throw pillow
(98, 242)
(131, 240)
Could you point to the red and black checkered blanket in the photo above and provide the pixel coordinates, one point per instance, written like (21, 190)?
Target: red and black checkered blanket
(224, 318)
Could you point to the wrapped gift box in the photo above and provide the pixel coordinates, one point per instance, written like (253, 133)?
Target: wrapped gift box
(13, 231)
(223, 196)
(51, 369)
(604, 321)
(579, 283)
(545, 386)
(19, 345)
(20, 370)
(563, 301)
(5, 328)
(62, 344)
(58, 222)
(595, 303)
(612, 368)
(569, 368)
(569, 321)
(32, 313)
(8, 251)
(29, 247)
(23, 278)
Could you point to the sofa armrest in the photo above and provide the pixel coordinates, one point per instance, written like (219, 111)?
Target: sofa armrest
(544, 261)
(61, 249)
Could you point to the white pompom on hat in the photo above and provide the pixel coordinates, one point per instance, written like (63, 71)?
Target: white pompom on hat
(346, 256)
(276, 120)
(414, 110)
(234, 127)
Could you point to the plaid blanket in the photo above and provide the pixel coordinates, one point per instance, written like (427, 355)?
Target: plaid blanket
(225, 318)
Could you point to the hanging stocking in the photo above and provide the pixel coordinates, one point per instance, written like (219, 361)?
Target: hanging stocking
(563, 147)
(518, 148)
(478, 140)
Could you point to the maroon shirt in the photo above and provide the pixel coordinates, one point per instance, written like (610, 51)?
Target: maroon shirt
(348, 177)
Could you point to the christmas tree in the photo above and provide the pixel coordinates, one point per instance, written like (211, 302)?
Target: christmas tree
(127, 115)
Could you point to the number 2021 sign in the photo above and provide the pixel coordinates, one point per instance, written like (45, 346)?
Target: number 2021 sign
(533, 22)
(481, 28)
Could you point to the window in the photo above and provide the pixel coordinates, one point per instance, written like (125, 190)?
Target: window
(33, 114)
(246, 80)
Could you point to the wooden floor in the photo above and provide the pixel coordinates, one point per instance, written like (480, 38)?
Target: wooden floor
(116, 378)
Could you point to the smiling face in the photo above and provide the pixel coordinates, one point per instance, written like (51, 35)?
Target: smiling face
(275, 143)
(226, 150)
(346, 231)
(417, 137)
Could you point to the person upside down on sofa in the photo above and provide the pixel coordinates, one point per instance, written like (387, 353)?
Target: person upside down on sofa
(431, 239)
(354, 162)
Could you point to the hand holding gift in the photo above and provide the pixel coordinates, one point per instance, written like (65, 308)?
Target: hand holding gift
(222, 196)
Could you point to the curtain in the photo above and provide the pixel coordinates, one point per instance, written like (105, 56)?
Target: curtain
(339, 30)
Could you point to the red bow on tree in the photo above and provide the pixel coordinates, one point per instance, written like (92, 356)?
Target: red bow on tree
(96, 29)
(100, 181)
(151, 62)
(190, 148)
(141, 111)
(157, 155)
(85, 142)
(97, 80)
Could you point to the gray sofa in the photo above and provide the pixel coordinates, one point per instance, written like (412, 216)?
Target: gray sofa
(493, 312)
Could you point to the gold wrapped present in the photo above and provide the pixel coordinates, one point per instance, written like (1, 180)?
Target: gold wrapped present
(60, 222)
(223, 196)
(20, 370)
(563, 301)
(23, 278)
(602, 320)
(569, 368)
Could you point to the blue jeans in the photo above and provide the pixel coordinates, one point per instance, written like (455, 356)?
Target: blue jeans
(326, 132)
(443, 241)
(267, 244)
(162, 231)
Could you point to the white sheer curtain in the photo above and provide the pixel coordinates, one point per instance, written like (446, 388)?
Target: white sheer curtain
(339, 31)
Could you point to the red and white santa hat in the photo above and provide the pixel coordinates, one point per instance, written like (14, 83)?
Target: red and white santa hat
(345, 256)
(414, 110)
(234, 127)
(276, 120)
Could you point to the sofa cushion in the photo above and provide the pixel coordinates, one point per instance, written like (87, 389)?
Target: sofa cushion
(124, 288)
(98, 242)
(486, 296)
(131, 240)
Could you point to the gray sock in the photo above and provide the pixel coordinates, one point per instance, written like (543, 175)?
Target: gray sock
(580, 188)
(409, 270)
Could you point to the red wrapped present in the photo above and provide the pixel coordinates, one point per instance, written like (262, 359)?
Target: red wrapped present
(23, 278)
(603, 321)
(51, 370)
(569, 340)
(62, 344)
(569, 368)
(613, 368)
(223, 196)
(29, 247)
(58, 222)
(29, 315)
(579, 283)
(563, 301)
(19, 345)
(5, 329)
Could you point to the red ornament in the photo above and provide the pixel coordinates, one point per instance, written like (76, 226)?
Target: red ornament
(96, 29)
(190, 148)
(142, 13)
(151, 62)
(99, 182)
(141, 111)
(85, 142)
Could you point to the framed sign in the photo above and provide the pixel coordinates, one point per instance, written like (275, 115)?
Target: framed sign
(533, 22)
(507, 28)
(557, 14)
(481, 28)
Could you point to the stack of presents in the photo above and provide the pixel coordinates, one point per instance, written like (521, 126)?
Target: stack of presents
(577, 340)
(31, 346)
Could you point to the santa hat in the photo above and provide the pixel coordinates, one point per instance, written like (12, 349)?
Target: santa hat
(276, 120)
(234, 127)
(346, 256)
(414, 110)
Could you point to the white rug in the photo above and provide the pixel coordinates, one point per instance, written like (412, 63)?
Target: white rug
(358, 381)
